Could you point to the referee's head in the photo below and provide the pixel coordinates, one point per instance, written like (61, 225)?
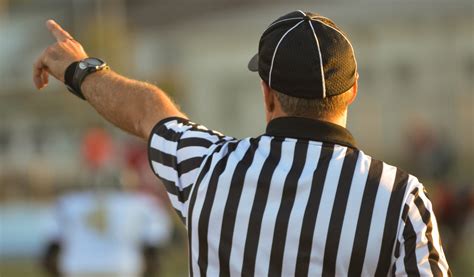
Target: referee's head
(308, 68)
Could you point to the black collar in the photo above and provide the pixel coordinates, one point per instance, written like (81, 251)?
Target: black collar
(311, 129)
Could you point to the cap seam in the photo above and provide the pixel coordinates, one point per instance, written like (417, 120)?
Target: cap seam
(323, 77)
(276, 49)
(342, 34)
(286, 19)
(302, 12)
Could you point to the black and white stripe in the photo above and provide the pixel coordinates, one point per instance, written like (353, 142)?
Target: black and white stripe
(293, 206)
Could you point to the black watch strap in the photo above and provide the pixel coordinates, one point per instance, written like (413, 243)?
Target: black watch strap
(70, 82)
(77, 71)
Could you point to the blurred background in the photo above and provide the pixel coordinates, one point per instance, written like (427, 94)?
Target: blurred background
(415, 107)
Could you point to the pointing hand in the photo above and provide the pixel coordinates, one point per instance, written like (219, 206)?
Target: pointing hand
(57, 57)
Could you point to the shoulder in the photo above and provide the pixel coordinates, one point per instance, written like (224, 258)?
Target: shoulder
(392, 177)
(173, 128)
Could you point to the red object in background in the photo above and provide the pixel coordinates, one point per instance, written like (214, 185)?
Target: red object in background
(97, 147)
(136, 159)
(136, 156)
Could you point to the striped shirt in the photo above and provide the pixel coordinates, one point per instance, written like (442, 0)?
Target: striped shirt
(300, 200)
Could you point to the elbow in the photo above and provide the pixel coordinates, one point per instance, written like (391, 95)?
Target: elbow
(143, 128)
(146, 121)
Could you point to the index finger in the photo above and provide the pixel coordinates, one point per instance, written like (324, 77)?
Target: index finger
(57, 31)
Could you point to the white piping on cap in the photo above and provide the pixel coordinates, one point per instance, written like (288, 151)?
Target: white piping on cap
(323, 79)
(291, 18)
(276, 49)
(301, 12)
(350, 44)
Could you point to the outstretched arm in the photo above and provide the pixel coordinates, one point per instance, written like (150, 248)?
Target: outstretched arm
(131, 105)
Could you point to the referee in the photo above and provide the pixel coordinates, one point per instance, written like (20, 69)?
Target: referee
(299, 200)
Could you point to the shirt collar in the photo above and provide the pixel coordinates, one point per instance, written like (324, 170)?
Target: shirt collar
(311, 129)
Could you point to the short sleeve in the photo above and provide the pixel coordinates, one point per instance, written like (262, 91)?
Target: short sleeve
(176, 149)
(419, 251)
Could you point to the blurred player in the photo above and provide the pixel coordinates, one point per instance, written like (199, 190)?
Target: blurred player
(106, 231)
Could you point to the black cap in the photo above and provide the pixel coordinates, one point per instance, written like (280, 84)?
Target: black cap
(305, 55)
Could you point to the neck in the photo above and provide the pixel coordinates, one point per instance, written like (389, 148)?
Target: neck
(339, 120)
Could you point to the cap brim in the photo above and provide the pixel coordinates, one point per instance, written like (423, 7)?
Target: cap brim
(253, 63)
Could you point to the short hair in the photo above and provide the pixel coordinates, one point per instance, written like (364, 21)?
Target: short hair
(314, 108)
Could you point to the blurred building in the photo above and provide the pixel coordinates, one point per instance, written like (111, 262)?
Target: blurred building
(416, 59)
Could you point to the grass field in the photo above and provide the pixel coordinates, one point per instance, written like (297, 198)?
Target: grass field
(173, 263)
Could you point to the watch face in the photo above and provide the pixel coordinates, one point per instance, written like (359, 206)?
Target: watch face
(93, 62)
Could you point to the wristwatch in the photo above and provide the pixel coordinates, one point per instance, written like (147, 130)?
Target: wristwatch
(78, 71)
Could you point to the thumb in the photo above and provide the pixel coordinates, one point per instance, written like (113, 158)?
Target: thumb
(57, 31)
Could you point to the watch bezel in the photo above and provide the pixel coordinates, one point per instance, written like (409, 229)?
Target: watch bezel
(89, 65)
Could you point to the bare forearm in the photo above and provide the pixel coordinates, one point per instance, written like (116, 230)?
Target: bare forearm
(131, 105)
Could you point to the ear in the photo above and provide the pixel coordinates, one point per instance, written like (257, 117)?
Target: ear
(268, 97)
